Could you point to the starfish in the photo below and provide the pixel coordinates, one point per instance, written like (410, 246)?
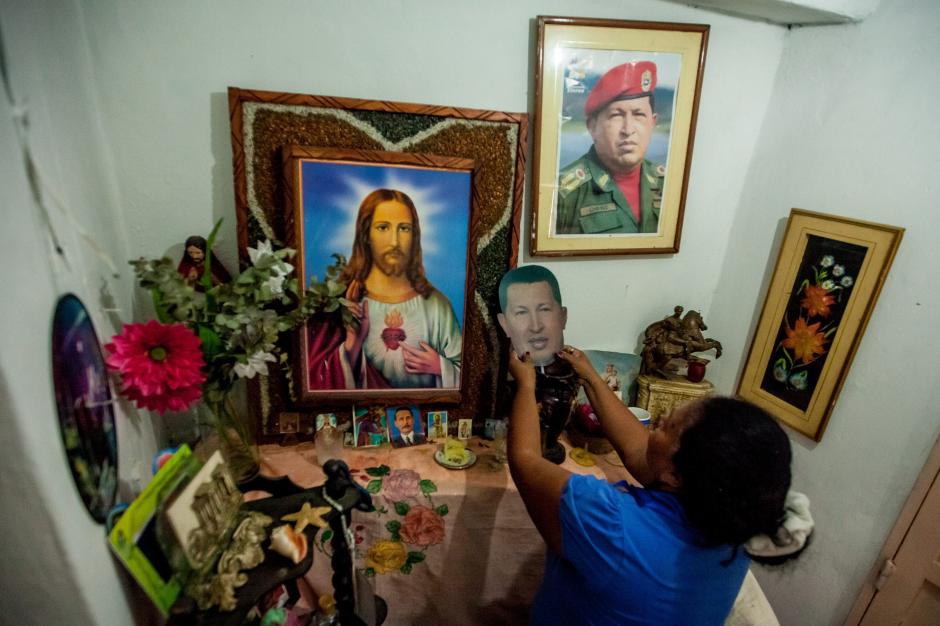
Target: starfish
(308, 515)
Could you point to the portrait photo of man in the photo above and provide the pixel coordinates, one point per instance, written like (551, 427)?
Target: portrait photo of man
(407, 331)
(614, 145)
(531, 313)
(405, 424)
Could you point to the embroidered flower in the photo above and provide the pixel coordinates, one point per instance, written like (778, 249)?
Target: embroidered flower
(780, 373)
(401, 484)
(827, 260)
(422, 527)
(257, 364)
(816, 301)
(160, 365)
(799, 380)
(805, 340)
(847, 281)
(386, 556)
(828, 284)
(838, 270)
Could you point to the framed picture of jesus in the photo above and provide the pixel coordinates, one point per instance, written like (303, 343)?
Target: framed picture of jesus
(399, 226)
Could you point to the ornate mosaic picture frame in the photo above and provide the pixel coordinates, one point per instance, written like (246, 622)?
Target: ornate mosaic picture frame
(828, 276)
(263, 123)
(616, 105)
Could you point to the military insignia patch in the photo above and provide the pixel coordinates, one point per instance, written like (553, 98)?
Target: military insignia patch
(646, 80)
(660, 170)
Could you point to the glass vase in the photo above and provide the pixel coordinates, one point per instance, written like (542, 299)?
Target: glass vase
(233, 438)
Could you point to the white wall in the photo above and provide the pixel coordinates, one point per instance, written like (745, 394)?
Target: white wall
(852, 131)
(54, 562)
(135, 133)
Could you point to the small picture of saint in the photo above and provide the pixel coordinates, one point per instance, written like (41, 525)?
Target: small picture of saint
(464, 429)
(437, 425)
(370, 426)
(324, 419)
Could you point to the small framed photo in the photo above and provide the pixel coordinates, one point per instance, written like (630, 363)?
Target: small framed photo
(289, 423)
(405, 428)
(829, 273)
(324, 419)
(437, 425)
(464, 428)
(370, 426)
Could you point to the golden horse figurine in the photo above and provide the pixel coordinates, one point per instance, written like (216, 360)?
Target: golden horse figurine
(675, 337)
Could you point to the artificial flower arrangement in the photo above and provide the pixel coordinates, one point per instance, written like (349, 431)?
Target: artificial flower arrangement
(208, 336)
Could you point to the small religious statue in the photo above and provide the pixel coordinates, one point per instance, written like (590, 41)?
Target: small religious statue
(533, 318)
(675, 337)
(192, 265)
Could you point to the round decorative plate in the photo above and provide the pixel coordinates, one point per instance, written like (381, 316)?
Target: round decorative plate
(471, 459)
(83, 396)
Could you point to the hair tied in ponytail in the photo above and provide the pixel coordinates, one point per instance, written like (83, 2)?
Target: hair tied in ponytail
(791, 536)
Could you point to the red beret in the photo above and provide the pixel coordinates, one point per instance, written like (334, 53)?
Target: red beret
(630, 80)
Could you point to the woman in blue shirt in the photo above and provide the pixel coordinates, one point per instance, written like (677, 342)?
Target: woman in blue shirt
(716, 474)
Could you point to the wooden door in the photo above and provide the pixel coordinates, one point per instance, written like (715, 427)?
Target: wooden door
(906, 587)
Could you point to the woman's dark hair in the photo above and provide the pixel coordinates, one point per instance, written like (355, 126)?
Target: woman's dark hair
(734, 464)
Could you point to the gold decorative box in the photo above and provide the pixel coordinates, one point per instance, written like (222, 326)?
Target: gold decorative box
(660, 395)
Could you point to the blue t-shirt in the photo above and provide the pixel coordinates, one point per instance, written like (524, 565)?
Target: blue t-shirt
(630, 557)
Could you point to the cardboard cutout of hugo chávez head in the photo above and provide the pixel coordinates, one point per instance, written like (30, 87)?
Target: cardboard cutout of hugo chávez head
(531, 313)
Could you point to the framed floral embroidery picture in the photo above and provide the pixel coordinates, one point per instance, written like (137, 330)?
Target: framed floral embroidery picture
(828, 275)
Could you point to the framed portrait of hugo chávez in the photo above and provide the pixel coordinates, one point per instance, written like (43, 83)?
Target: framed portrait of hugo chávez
(616, 106)
(462, 170)
(828, 275)
(402, 223)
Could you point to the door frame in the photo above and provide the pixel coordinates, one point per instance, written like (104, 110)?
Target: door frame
(893, 543)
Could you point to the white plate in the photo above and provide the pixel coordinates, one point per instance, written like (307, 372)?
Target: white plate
(471, 459)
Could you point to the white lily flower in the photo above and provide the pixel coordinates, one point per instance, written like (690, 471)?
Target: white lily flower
(282, 269)
(275, 284)
(257, 364)
(263, 249)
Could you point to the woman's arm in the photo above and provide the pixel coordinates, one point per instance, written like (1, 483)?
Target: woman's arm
(624, 431)
(540, 482)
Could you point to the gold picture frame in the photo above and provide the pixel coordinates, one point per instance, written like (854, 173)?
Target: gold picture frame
(828, 275)
(574, 56)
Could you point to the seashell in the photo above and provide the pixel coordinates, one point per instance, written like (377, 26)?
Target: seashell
(288, 543)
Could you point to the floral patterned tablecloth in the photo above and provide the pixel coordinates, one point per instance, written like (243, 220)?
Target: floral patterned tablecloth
(450, 546)
(443, 546)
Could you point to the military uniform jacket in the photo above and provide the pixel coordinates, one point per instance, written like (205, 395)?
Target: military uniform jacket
(589, 200)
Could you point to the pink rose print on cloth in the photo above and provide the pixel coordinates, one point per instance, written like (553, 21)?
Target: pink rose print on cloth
(416, 525)
(401, 484)
(422, 527)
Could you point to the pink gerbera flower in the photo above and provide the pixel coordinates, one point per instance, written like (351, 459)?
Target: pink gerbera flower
(160, 365)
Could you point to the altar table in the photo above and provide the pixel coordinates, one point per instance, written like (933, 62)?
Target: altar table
(450, 546)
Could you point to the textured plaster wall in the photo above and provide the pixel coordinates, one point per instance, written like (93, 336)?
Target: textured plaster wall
(851, 130)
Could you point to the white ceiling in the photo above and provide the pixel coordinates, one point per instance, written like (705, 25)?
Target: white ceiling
(796, 12)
